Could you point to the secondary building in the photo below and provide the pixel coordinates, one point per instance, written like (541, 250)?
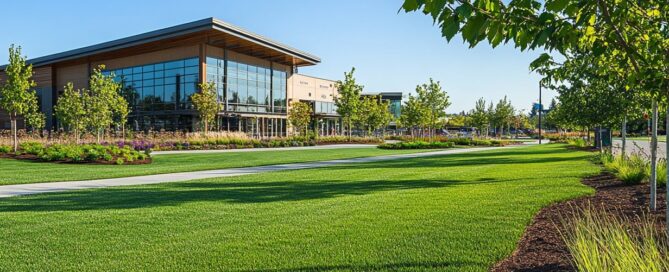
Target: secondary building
(256, 78)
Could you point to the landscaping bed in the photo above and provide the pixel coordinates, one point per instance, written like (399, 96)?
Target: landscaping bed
(542, 247)
(75, 153)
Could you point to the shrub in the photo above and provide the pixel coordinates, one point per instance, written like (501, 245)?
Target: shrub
(578, 142)
(417, 145)
(4, 149)
(632, 170)
(661, 172)
(32, 148)
(599, 241)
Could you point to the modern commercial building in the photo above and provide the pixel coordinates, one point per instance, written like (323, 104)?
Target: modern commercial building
(256, 78)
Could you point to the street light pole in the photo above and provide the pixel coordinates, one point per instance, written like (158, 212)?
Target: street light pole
(540, 110)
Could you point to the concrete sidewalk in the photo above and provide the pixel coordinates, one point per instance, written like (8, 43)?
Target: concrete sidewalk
(316, 147)
(37, 188)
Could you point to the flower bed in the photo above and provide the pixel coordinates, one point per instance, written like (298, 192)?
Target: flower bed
(73, 153)
(417, 145)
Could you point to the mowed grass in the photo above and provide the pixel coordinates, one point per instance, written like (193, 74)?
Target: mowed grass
(459, 212)
(18, 172)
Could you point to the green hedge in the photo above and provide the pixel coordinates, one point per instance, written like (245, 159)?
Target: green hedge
(417, 145)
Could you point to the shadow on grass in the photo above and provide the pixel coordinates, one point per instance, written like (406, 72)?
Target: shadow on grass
(232, 192)
(286, 190)
(378, 267)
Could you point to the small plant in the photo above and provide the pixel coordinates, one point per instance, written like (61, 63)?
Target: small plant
(631, 170)
(4, 149)
(599, 241)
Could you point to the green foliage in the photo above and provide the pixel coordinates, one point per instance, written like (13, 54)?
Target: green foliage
(599, 241)
(16, 96)
(413, 113)
(434, 102)
(103, 102)
(206, 104)
(631, 169)
(299, 115)
(374, 113)
(80, 153)
(479, 115)
(4, 149)
(578, 142)
(348, 99)
(417, 145)
(70, 109)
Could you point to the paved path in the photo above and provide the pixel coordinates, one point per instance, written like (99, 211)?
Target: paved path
(639, 146)
(37, 188)
(317, 147)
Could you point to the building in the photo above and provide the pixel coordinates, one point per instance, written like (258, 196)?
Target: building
(256, 77)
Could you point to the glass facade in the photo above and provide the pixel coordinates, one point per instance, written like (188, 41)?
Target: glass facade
(327, 108)
(159, 86)
(395, 107)
(250, 88)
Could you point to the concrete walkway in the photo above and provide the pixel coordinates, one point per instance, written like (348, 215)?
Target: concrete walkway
(37, 188)
(316, 147)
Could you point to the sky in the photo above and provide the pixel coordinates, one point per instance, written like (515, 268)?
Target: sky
(391, 51)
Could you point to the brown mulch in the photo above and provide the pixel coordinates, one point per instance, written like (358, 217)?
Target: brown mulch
(29, 157)
(541, 247)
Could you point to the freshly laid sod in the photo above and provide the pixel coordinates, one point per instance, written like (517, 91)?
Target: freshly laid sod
(18, 172)
(450, 213)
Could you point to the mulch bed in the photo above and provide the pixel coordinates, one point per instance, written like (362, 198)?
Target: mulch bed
(29, 157)
(541, 247)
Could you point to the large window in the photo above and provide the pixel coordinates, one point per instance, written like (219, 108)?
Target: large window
(325, 108)
(250, 88)
(159, 86)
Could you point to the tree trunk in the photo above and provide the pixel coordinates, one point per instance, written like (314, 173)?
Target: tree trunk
(15, 138)
(623, 132)
(653, 159)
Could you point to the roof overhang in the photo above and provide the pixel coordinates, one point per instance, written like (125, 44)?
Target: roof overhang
(215, 30)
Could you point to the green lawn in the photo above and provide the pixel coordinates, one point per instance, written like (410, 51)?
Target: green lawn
(17, 172)
(458, 212)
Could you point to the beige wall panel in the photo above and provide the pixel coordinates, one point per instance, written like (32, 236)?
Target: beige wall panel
(301, 87)
(77, 74)
(152, 57)
(234, 56)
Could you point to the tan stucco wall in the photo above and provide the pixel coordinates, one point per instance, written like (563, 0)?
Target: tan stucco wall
(302, 87)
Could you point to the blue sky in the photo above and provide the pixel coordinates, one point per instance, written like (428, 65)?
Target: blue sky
(391, 51)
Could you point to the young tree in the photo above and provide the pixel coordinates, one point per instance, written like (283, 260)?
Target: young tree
(16, 96)
(479, 116)
(412, 114)
(103, 95)
(71, 111)
(374, 114)
(435, 101)
(348, 100)
(206, 104)
(299, 116)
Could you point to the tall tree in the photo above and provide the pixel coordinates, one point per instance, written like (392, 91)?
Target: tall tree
(206, 104)
(435, 101)
(299, 116)
(71, 111)
(16, 96)
(348, 99)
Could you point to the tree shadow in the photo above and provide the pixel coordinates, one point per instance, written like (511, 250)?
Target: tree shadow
(378, 267)
(202, 191)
